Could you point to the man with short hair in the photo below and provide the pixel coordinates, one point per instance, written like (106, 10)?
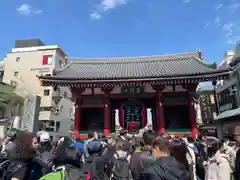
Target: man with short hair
(165, 167)
(142, 159)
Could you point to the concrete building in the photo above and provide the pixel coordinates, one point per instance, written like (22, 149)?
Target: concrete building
(27, 60)
(227, 89)
(228, 98)
(228, 58)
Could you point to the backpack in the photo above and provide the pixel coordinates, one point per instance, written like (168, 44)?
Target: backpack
(46, 160)
(121, 168)
(34, 170)
(3, 167)
(94, 146)
(59, 174)
(93, 167)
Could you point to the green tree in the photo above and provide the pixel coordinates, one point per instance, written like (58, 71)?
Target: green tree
(11, 103)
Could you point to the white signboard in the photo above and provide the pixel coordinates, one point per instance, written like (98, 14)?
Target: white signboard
(31, 114)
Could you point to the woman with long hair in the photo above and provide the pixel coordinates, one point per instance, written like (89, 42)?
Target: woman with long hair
(22, 166)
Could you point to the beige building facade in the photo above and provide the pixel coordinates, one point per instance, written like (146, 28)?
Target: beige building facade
(22, 66)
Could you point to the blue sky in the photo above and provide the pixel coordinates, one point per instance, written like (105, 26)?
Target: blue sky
(110, 28)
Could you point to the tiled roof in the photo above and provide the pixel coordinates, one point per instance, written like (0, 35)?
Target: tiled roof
(135, 68)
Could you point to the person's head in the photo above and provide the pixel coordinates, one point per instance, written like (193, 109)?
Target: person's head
(90, 135)
(237, 134)
(122, 145)
(67, 154)
(44, 138)
(96, 136)
(189, 138)
(123, 132)
(160, 147)
(178, 150)
(111, 141)
(214, 147)
(11, 137)
(12, 133)
(232, 144)
(226, 141)
(26, 144)
(148, 137)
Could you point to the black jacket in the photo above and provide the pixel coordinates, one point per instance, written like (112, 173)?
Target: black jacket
(139, 161)
(165, 168)
(237, 165)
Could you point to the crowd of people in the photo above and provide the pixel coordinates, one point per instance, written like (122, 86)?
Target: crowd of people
(28, 156)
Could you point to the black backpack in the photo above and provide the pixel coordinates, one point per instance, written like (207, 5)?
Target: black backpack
(121, 168)
(46, 161)
(34, 171)
(3, 167)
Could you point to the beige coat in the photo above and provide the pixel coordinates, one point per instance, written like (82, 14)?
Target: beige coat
(218, 168)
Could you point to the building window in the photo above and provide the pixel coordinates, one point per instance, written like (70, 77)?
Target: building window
(227, 99)
(46, 92)
(16, 74)
(13, 84)
(47, 60)
(50, 125)
(60, 63)
(71, 112)
(61, 109)
(18, 59)
(65, 94)
(57, 127)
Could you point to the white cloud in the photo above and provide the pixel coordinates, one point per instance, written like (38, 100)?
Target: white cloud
(111, 4)
(234, 7)
(217, 22)
(104, 6)
(26, 9)
(207, 24)
(231, 32)
(186, 1)
(230, 41)
(95, 16)
(218, 7)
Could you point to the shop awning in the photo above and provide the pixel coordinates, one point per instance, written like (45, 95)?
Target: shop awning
(228, 113)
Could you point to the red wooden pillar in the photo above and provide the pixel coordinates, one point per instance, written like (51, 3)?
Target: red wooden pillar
(77, 120)
(107, 110)
(160, 124)
(160, 113)
(76, 95)
(192, 116)
(106, 116)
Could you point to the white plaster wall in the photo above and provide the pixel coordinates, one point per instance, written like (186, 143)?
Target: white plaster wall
(179, 88)
(87, 91)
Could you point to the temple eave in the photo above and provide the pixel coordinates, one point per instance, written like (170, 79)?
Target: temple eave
(73, 82)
